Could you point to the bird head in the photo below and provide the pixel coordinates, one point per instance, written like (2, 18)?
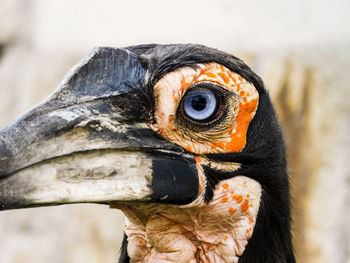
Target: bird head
(182, 138)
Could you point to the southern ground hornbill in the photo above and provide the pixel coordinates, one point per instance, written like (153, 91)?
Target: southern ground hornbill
(182, 138)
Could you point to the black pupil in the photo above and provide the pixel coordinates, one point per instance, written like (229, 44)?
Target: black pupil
(199, 102)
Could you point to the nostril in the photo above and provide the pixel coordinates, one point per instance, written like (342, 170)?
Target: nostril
(5, 158)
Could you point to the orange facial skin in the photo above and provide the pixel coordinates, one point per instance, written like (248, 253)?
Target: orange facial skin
(175, 85)
(199, 232)
(215, 231)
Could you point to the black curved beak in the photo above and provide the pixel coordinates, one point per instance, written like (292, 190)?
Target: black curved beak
(90, 142)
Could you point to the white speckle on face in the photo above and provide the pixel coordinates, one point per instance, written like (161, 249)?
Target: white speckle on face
(68, 114)
(164, 197)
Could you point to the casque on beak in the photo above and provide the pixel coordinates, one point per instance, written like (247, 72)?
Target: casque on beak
(90, 142)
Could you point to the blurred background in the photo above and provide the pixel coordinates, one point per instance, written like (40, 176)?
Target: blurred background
(300, 48)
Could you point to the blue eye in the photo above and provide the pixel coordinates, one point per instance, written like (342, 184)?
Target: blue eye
(200, 104)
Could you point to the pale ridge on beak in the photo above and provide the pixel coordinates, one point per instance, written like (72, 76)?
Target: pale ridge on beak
(90, 141)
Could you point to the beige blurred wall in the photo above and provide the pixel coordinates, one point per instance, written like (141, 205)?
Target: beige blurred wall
(300, 48)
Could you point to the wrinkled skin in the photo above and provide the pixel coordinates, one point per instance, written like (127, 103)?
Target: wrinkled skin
(117, 132)
(198, 232)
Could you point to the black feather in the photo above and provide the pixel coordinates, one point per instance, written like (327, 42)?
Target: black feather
(263, 158)
(124, 258)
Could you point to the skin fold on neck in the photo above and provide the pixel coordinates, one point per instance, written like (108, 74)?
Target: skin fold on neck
(217, 231)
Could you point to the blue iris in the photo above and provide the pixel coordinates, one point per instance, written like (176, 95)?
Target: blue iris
(199, 104)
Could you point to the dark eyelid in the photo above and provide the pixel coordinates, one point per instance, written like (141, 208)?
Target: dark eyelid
(214, 87)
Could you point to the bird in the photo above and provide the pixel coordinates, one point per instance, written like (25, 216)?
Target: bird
(182, 138)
